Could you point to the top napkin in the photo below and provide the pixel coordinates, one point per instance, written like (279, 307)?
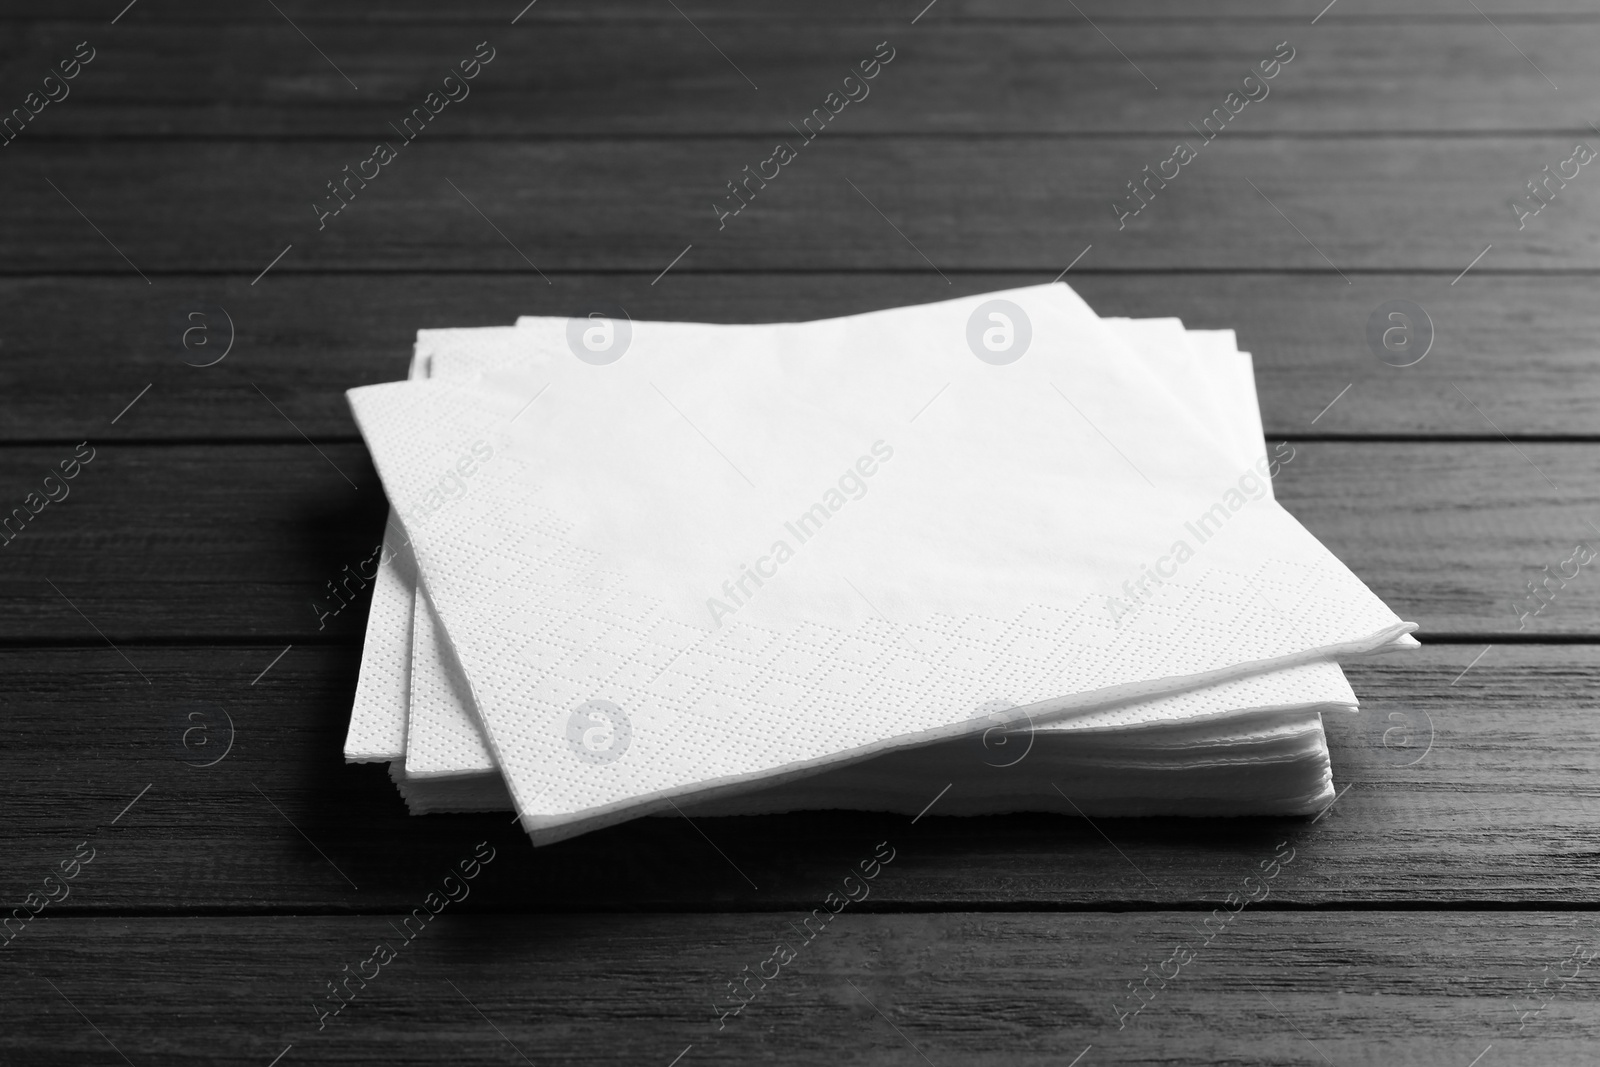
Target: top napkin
(763, 552)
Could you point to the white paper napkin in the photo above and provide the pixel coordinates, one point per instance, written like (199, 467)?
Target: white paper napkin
(448, 752)
(447, 741)
(554, 595)
(1264, 764)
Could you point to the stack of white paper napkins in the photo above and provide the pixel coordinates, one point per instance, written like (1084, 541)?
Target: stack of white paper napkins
(994, 550)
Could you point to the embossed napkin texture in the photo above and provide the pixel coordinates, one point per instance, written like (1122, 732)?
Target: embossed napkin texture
(595, 556)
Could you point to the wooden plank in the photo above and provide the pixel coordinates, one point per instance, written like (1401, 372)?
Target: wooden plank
(307, 338)
(166, 542)
(1479, 793)
(491, 12)
(204, 540)
(1379, 987)
(655, 76)
(1450, 874)
(1489, 517)
(1366, 204)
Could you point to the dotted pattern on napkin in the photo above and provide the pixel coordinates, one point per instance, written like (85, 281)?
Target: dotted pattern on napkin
(378, 719)
(376, 732)
(1286, 767)
(443, 735)
(514, 593)
(449, 738)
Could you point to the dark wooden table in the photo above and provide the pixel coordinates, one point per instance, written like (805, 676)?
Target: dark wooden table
(1426, 919)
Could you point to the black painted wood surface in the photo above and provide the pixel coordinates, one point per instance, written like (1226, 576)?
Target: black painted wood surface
(1432, 916)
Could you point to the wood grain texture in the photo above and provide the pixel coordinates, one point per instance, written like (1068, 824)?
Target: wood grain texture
(1454, 872)
(1372, 988)
(815, 13)
(1365, 203)
(198, 541)
(653, 76)
(1512, 344)
(1470, 788)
